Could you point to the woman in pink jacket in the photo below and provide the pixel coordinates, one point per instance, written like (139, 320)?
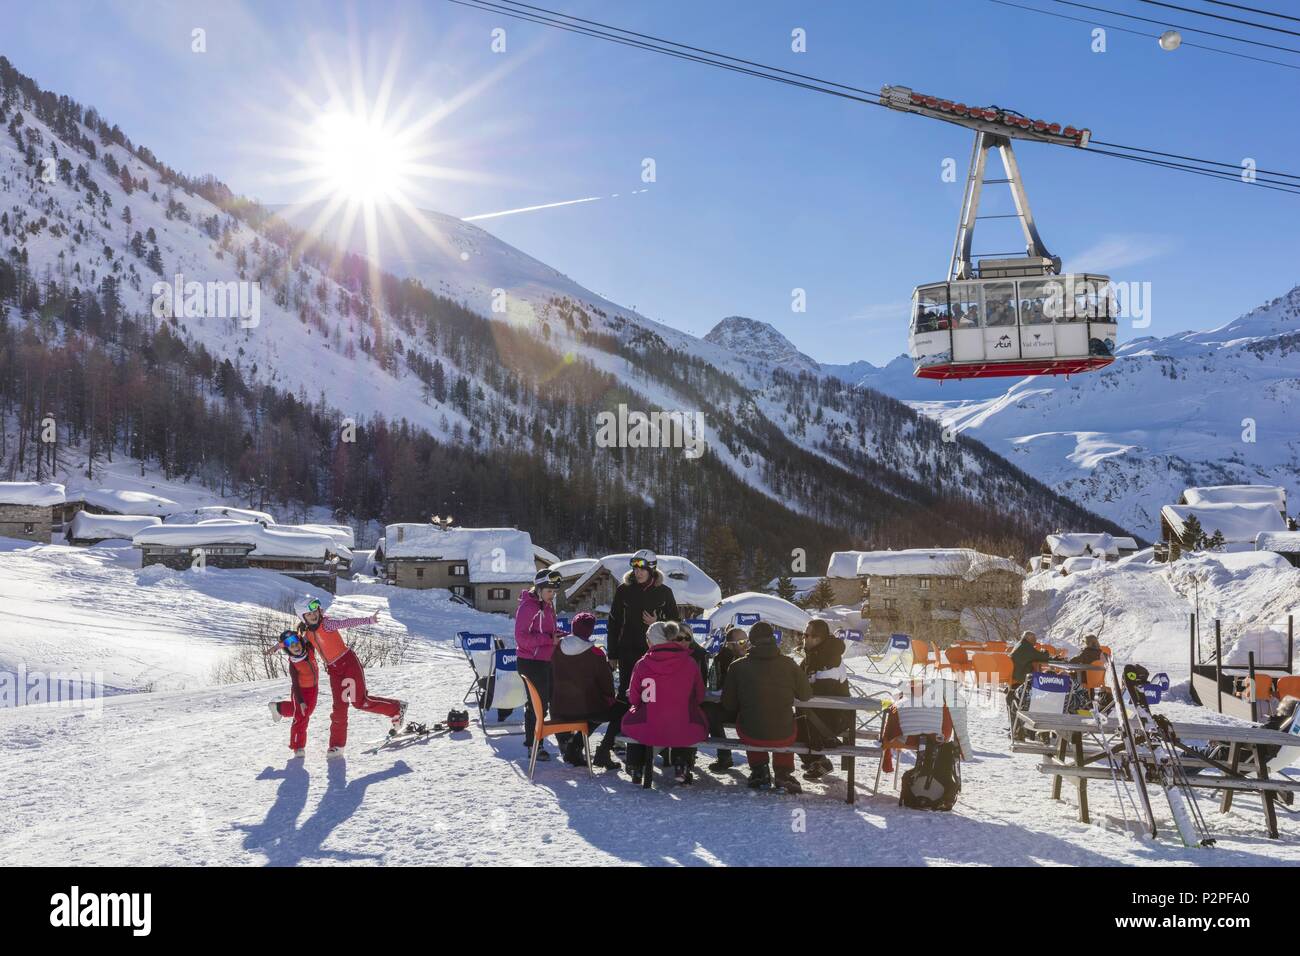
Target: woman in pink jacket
(664, 698)
(536, 636)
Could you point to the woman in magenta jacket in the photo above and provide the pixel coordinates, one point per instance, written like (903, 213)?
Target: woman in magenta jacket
(664, 698)
(536, 636)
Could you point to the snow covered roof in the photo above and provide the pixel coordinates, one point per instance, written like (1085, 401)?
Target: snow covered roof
(776, 611)
(1126, 544)
(341, 533)
(124, 502)
(690, 584)
(1077, 564)
(574, 567)
(1283, 542)
(209, 512)
(492, 554)
(543, 555)
(93, 527)
(1239, 523)
(1081, 544)
(1236, 494)
(266, 542)
(36, 493)
(941, 562)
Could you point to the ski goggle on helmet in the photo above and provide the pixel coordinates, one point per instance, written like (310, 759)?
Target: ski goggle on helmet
(546, 578)
(644, 559)
(309, 605)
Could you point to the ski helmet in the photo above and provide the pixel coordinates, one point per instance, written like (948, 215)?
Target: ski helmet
(305, 606)
(645, 558)
(546, 578)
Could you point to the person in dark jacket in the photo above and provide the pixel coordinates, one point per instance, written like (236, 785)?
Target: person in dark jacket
(1091, 653)
(639, 601)
(761, 689)
(734, 648)
(582, 688)
(1023, 658)
(823, 665)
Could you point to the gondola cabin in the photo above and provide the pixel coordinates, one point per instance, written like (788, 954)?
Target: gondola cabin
(1012, 321)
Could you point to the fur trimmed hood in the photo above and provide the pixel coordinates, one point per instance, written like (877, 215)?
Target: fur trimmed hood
(656, 577)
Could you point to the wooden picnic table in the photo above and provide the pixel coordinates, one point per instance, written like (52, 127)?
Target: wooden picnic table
(1070, 729)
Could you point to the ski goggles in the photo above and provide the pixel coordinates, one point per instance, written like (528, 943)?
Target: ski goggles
(642, 563)
(548, 579)
(292, 642)
(313, 605)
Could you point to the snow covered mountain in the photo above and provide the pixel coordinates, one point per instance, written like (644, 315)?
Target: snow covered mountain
(760, 340)
(1194, 408)
(475, 345)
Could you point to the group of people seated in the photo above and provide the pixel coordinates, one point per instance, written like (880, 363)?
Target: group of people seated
(665, 706)
(1026, 654)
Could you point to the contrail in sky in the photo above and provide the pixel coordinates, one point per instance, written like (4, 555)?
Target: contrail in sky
(548, 205)
(511, 212)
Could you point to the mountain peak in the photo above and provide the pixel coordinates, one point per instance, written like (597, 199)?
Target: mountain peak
(752, 338)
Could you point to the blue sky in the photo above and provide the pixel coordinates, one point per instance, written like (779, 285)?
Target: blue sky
(761, 188)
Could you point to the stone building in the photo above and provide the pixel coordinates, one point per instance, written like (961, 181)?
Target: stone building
(30, 510)
(487, 568)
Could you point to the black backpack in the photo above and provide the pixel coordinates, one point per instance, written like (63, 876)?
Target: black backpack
(935, 781)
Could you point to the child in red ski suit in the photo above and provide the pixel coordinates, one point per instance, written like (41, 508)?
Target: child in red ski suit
(347, 678)
(304, 680)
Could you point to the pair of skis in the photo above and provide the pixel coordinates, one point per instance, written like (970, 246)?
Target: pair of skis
(412, 731)
(1149, 740)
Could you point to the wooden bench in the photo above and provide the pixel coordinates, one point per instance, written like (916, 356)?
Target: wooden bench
(848, 755)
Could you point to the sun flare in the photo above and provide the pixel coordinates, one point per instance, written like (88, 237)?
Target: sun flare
(358, 159)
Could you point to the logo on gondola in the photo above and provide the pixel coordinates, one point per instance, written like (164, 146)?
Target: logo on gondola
(1003, 343)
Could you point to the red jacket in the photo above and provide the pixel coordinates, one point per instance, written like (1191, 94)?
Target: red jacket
(325, 636)
(664, 695)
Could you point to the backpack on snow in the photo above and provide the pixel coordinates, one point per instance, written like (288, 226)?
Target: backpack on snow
(935, 781)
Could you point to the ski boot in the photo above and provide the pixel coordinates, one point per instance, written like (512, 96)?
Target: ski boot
(400, 720)
(335, 753)
(760, 777)
(786, 781)
(724, 762)
(276, 716)
(604, 759)
(819, 768)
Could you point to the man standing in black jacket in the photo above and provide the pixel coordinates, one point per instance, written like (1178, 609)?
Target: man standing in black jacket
(639, 601)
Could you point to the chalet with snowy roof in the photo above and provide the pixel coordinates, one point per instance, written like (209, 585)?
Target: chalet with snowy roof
(115, 501)
(88, 528)
(569, 572)
(1285, 543)
(486, 567)
(1236, 495)
(923, 592)
(226, 543)
(544, 558)
(30, 510)
(1060, 547)
(1126, 545)
(1237, 524)
(693, 590)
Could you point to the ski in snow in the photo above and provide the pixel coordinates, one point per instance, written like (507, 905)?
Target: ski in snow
(412, 731)
(1136, 767)
(1146, 730)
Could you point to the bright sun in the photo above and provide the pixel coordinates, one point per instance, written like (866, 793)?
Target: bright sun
(358, 159)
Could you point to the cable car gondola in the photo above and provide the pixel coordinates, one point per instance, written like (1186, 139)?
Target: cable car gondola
(1006, 315)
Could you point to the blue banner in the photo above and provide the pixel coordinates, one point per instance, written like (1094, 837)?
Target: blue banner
(1162, 680)
(1153, 693)
(562, 625)
(507, 659)
(699, 626)
(900, 642)
(848, 635)
(1051, 683)
(716, 640)
(601, 629)
(746, 620)
(475, 642)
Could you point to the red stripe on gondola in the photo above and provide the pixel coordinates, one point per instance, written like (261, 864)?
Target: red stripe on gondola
(955, 370)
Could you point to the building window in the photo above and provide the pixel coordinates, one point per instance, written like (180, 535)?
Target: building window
(419, 572)
(890, 604)
(498, 594)
(459, 570)
(888, 582)
(460, 590)
(923, 584)
(29, 528)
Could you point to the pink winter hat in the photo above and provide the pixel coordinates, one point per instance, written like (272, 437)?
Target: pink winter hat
(583, 625)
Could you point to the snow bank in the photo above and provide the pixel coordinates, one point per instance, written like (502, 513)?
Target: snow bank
(492, 554)
(266, 542)
(210, 512)
(93, 527)
(689, 583)
(965, 562)
(574, 567)
(1075, 545)
(128, 502)
(1240, 523)
(776, 611)
(1237, 494)
(33, 493)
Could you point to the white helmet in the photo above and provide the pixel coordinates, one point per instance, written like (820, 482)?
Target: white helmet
(305, 605)
(645, 558)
